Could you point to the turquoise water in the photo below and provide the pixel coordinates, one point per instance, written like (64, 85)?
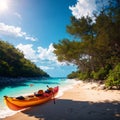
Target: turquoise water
(25, 88)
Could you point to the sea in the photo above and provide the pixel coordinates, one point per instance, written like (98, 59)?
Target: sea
(29, 87)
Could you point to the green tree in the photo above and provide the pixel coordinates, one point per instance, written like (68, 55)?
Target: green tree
(96, 43)
(13, 63)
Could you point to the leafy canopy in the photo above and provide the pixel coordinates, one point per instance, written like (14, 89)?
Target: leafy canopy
(96, 43)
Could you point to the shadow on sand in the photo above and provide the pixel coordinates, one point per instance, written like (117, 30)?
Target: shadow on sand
(75, 110)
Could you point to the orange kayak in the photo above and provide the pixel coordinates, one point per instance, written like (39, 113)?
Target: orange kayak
(18, 103)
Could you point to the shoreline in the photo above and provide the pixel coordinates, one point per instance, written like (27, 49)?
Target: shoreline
(80, 102)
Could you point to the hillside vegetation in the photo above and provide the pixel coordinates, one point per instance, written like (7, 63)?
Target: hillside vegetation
(13, 63)
(95, 49)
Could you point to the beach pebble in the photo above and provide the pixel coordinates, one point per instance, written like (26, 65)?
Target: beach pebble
(101, 87)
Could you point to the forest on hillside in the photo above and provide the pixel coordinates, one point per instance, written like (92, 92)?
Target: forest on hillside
(95, 49)
(13, 63)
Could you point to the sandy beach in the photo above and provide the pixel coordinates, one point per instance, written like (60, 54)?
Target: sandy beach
(84, 101)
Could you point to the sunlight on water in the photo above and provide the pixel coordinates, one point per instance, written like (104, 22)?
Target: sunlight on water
(30, 87)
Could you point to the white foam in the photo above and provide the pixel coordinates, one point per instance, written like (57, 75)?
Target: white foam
(6, 112)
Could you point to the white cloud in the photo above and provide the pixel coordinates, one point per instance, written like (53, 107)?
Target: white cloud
(14, 31)
(46, 67)
(18, 15)
(47, 54)
(30, 38)
(41, 55)
(28, 51)
(83, 8)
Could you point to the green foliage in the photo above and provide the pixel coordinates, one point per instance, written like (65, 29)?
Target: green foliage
(114, 77)
(73, 75)
(84, 76)
(66, 50)
(100, 74)
(13, 63)
(79, 75)
(97, 47)
(80, 27)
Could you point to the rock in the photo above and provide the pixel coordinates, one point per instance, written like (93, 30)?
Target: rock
(102, 87)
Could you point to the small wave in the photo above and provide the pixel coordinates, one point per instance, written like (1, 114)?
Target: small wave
(5, 112)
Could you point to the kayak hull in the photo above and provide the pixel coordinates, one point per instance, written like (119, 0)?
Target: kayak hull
(31, 100)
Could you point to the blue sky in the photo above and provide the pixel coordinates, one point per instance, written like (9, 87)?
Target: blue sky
(34, 25)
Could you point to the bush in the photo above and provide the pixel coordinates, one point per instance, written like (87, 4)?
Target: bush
(73, 75)
(84, 76)
(113, 78)
(99, 75)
